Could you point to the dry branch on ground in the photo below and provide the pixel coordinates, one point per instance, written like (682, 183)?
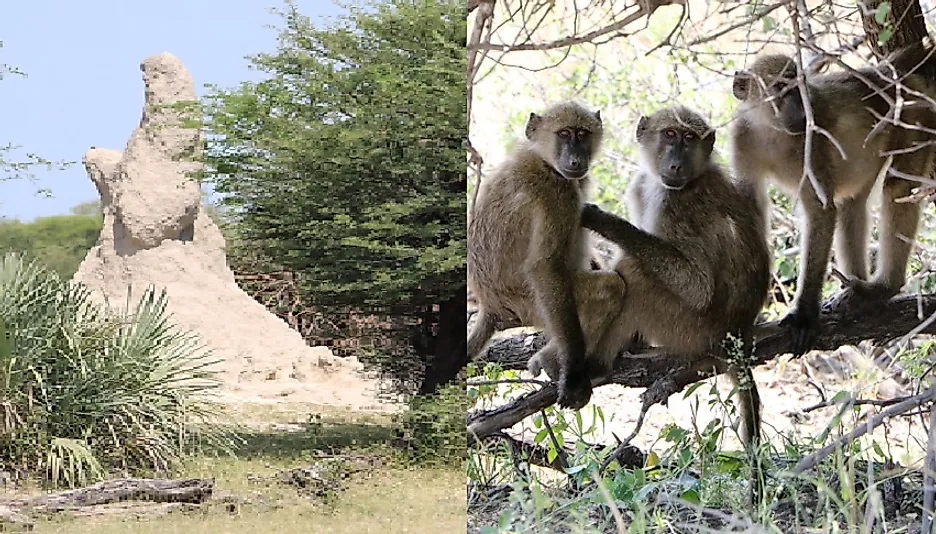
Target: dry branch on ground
(193, 490)
(844, 322)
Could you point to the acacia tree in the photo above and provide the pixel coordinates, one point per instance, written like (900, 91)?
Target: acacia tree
(347, 165)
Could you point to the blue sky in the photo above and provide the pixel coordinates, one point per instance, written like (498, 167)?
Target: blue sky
(84, 87)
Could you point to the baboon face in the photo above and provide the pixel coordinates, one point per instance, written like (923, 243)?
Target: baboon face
(676, 145)
(771, 81)
(567, 136)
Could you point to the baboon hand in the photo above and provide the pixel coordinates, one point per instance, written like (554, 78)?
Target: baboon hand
(803, 328)
(590, 214)
(574, 387)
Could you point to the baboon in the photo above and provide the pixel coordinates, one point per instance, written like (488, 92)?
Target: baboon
(768, 139)
(527, 253)
(695, 257)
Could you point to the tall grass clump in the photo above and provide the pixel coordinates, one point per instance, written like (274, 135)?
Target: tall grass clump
(84, 392)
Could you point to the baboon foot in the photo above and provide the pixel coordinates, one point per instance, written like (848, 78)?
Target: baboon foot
(575, 388)
(803, 328)
(859, 294)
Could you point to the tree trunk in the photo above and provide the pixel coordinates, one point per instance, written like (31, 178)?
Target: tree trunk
(449, 353)
(906, 19)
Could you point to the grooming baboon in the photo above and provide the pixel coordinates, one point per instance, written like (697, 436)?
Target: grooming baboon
(695, 258)
(527, 255)
(769, 141)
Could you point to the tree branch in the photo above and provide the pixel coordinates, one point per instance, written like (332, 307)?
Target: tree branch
(843, 323)
(644, 7)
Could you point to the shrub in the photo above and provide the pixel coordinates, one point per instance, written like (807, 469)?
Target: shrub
(83, 391)
(434, 426)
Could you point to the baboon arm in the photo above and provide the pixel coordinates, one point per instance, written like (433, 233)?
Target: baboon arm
(817, 236)
(548, 273)
(657, 258)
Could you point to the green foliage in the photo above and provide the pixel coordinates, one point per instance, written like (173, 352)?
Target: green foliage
(347, 163)
(434, 426)
(59, 242)
(83, 391)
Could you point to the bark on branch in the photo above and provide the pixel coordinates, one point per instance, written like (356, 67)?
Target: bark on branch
(194, 491)
(843, 323)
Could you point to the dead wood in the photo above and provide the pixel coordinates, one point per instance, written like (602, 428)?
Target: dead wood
(193, 491)
(843, 322)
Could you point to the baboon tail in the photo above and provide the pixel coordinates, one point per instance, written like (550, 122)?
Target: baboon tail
(750, 407)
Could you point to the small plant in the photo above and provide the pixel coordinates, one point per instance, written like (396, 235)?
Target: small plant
(83, 391)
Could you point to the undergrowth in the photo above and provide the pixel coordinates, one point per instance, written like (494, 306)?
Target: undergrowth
(85, 392)
(687, 481)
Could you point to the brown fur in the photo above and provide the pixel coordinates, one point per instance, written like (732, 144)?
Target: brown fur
(527, 253)
(769, 142)
(695, 259)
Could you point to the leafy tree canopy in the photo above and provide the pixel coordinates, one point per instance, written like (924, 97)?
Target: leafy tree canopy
(59, 242)
(347, 163)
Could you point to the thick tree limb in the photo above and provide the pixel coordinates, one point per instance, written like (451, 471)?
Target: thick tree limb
(843, 323)
(193, 491)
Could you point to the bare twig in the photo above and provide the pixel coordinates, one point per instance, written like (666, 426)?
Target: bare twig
(562, 456)
(908, 404)
(644, 8)
(808, 172)
(856, 402)
(623, 445)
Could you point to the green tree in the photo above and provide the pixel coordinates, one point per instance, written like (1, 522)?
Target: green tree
(59, 242)
(347, 163)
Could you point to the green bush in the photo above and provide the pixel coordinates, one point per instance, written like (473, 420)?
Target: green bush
(83, 392)
(434, 426)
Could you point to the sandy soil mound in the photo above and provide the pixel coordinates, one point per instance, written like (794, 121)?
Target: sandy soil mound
(157, 232)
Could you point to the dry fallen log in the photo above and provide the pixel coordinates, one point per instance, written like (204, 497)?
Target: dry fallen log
(844, 322)
(194, 491)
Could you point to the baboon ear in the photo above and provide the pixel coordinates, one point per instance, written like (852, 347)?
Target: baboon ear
(532, 125)
(709, 140)
(598, 115)
(642, 127)
(741, 85)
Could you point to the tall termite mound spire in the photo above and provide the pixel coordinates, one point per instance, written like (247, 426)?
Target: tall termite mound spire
(156, 231)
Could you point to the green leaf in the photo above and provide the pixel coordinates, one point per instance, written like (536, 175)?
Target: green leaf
(880, 14)
(574, 469)
(769, 23)
(885, 35)
(541, 435)
(691, 496)
(551, 454)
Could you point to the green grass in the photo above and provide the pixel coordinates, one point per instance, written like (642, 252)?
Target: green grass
(393, 498)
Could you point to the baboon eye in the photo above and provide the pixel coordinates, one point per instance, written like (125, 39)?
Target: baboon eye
(670, 133)
(583, 134)
(564, 133)
(689, 136)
